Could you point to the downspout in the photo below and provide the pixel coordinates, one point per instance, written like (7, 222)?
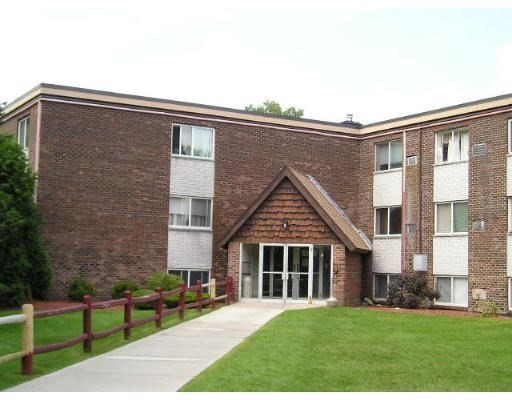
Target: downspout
(404, 197)
(38, 147)
(420, 193)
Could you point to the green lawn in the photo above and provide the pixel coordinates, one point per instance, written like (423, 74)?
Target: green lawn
(344, 349)
(64, 327)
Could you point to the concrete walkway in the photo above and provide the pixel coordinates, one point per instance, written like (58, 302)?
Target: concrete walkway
(164, 361)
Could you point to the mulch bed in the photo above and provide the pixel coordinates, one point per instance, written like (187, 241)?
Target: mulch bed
(432, 311)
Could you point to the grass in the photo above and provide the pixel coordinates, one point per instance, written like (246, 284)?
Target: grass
(64, 327)
(344, 349)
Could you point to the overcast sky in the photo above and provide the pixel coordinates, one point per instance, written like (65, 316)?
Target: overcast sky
(327, 57)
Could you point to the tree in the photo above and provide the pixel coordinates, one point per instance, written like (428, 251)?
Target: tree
(25, 269)
(273, 107)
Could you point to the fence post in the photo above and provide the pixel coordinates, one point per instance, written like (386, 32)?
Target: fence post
(182, 300)
(88, 324)
(213, 289)
(200, 296)
(158, 308)
(27, 361)
(128, 314)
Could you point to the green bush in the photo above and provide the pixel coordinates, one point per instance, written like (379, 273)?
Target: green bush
(149, 305)
(411, 290)
(121, 287)
(190, 297)
(80, 288)
(13, 296)
(23, 256)
(163, 280)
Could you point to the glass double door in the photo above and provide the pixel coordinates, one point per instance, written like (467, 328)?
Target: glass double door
(286, 271)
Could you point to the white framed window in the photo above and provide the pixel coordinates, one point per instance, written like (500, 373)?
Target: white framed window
(452, 217)
(510, 136)
(510, 293)
(388, 221)
(190, 212)
(388, 155)
(192, 141)
(452, 146)
(381, 283)
(509, 214)
(23, 133)
(453, 290)
(191, 276)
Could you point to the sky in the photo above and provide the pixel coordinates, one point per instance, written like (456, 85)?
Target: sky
(375, 60)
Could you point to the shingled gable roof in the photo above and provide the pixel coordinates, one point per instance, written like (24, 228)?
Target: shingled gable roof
(354, 239)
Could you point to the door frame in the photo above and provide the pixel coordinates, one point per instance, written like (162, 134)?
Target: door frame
(285, 272)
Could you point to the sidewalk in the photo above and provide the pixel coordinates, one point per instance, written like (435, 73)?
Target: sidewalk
(165, 361)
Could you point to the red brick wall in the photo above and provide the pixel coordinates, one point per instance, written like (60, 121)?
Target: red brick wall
(248, 158)
(103, 192)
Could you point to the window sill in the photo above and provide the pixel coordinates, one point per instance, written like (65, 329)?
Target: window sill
(453, 305)
(193, 157)
(190, 228)
(450, 163)
(387, 236)
(387, 171)
(452, 234)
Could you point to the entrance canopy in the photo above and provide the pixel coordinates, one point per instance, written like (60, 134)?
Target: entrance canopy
(318, 199)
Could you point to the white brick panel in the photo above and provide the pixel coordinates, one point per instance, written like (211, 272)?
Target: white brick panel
(387, 188)
(387, 255)
(450, 255)
(190, 249)
(451, 182)
(192, 177)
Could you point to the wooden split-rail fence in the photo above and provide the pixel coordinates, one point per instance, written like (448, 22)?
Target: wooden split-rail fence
(87, 307)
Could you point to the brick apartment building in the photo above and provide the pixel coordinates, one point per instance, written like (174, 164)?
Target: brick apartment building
(293, 209)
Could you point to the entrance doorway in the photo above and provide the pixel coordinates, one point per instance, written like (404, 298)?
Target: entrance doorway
(286, 271)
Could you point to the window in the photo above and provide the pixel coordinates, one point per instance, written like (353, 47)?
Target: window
(510, 293)
(452, 217)
(388, 221)
(388, 155)
(452, 146)
(453, 290)
(191, 276)
(23, 134)
(510, 135)
(381, 283)
(194, 141)
(510, 214)
(190, 212)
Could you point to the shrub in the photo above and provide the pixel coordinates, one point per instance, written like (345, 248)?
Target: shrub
(80, 288)
(411, 290)
(163, 280)
(148, 305)
(13, 296)
(121, 287)
(174, 300)
(23, 256)
(489, 308)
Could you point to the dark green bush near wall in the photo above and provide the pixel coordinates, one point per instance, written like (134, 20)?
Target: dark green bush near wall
(24, 259)
(121, 287)
(163, 280)
(80, 288)
(411, 290)
(190, 297)
(12, 296)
